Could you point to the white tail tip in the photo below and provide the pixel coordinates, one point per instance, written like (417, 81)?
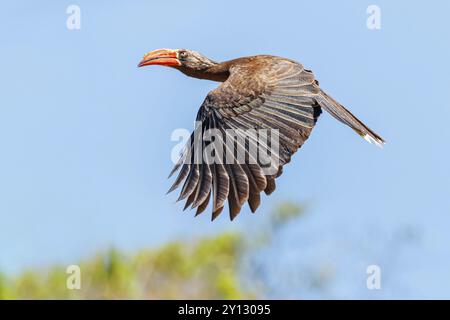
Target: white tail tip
(370, 139)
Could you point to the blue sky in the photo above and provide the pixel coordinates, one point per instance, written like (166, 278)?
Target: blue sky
(85, 135)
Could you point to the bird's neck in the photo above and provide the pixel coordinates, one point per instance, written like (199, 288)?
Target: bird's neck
(213, 71)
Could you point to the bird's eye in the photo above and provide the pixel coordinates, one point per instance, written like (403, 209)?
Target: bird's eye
(183, 54)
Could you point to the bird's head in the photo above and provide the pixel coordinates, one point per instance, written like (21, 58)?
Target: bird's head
(187, 61)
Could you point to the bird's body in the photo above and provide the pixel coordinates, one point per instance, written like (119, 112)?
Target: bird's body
(257, 93)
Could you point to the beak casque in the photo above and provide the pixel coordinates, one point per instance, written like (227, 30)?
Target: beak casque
(162, 57)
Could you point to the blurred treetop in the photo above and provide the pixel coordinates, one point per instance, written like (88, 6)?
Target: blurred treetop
(206, 268)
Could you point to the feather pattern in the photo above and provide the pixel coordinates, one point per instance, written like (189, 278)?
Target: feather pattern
(281, 95)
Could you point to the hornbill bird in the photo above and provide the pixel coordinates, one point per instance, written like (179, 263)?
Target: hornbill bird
(256, 92)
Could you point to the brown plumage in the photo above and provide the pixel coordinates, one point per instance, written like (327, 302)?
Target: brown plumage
(258, 92)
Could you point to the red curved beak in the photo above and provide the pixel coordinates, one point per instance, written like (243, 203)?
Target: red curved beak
(162, 57)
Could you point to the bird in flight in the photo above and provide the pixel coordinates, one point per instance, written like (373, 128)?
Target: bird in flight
(260, 92)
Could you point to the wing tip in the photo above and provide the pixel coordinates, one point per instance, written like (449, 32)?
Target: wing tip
(216, 213)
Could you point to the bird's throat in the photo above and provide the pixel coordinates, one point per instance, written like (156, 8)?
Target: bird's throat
(216, 72)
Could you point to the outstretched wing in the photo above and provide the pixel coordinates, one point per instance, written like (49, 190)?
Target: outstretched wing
(269, 93)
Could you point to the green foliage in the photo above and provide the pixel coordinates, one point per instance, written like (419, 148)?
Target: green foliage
(202, 269)
(207, 268)
(286, 212)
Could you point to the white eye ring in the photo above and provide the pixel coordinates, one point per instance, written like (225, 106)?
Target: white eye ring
(183, 54)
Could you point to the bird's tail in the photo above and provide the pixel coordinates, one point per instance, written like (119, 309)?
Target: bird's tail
(339, 112)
